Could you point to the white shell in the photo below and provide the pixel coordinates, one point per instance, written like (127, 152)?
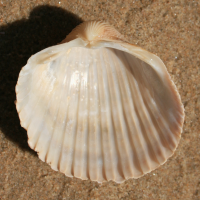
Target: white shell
(96, 107)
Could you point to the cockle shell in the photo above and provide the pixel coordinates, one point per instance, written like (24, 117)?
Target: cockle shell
(97, 107)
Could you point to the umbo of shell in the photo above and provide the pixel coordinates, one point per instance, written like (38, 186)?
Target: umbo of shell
(97, 107)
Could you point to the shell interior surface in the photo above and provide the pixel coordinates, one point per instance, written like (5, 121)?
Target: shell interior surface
(96, 107)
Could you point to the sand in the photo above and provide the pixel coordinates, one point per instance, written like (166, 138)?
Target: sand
(170, 29)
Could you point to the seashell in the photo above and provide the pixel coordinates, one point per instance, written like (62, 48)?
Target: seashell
(97, 107)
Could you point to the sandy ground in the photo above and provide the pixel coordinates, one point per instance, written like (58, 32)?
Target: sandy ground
(170, 29)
